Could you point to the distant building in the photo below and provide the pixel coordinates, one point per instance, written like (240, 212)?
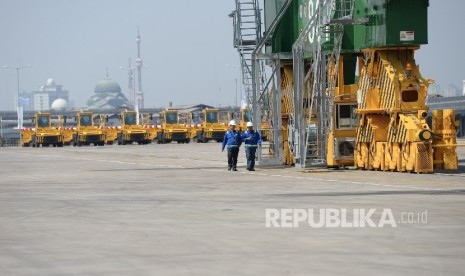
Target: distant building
(463, 91)
(107, 96)
(42, 99)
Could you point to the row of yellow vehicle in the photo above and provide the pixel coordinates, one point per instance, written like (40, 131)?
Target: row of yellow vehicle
(86, 132)
(210, 129)
(91, 129)
(245, 117)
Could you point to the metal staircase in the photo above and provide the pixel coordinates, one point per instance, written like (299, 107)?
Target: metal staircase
(247, 25)
(247, 34)
(315, 79)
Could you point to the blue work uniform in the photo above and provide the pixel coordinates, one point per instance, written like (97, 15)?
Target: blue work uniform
(232, 140)
(252, 140)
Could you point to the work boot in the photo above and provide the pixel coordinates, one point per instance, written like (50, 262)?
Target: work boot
(229, 168)
(252, 169)
(234, 169)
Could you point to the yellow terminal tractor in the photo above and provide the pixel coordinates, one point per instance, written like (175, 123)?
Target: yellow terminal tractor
(171, 129)
(111, 132)
(131, 131)
(245, 117)
(147, 123)
(211, 128)
(86, 132)
(68, 132)
(44, 133)
(26, 136)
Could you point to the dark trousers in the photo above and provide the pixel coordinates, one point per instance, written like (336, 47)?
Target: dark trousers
(233, 152)
(250, 154)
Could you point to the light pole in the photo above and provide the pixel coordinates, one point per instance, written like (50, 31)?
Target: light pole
(235, 80)
(19, 109)
(17, 76)
(131, 83)
(236, 91)
(132, 87)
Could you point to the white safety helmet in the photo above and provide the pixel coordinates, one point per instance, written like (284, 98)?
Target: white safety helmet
(249, 124)
(232, 123)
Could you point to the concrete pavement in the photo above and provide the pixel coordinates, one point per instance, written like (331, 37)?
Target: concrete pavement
(175, 210)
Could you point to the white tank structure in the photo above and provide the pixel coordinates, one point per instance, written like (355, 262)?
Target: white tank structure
(59, 105)
(51, 82)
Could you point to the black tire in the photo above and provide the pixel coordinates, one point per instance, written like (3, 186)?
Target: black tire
(198, 137)
(161, 138)
(120, 139)
(76, 141)
(202, 138)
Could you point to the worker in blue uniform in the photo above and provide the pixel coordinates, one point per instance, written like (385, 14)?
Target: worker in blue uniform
(232, 140)
(252, 141)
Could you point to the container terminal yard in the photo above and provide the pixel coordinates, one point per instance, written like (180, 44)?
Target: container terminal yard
(360, 169)
(174, 209)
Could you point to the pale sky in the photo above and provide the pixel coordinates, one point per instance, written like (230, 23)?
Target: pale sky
(443, 59)
(186, 44)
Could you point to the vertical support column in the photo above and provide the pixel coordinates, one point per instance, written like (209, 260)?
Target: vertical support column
(323, 106)
(256, 116)
(302, 126)
(299, 126)
(277, 119)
